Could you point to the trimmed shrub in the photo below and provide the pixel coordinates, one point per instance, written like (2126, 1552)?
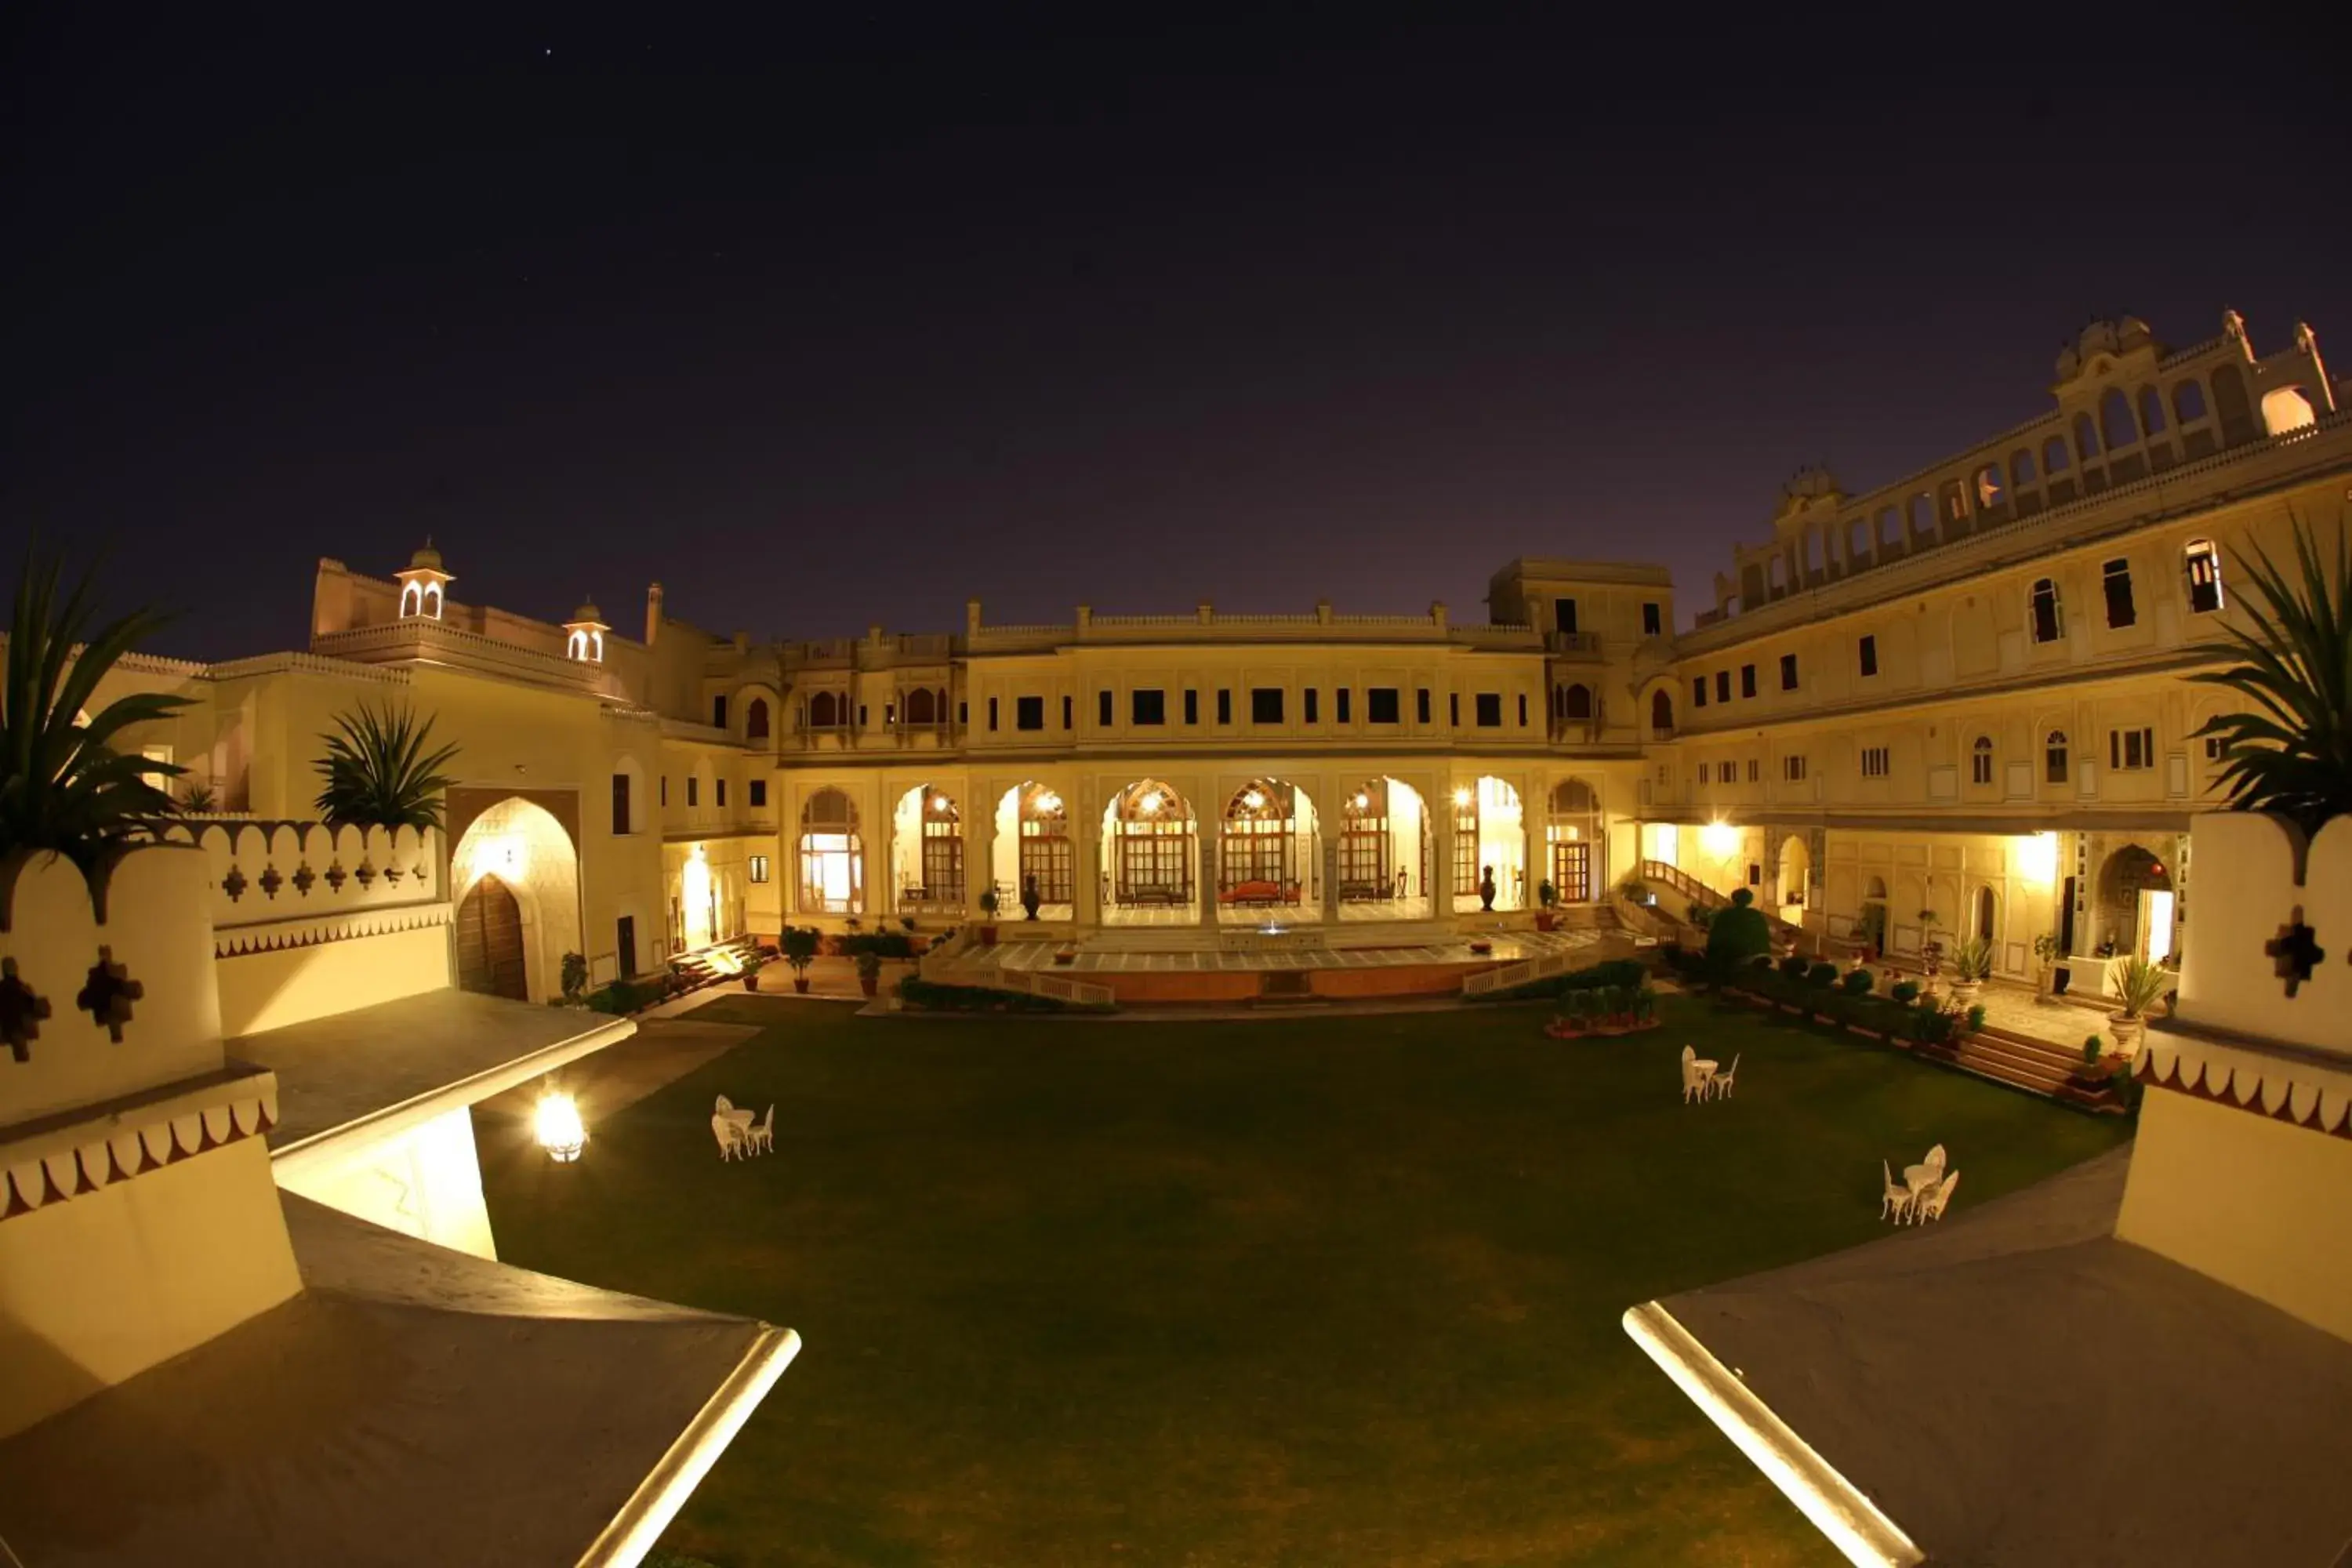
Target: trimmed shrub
(1858, 982)
(1904, 991)
(627, 995)
(934, 998)
(1822, 974)
(2093, 1048)
(1795, 965)
(1976, 1018)
(1737, 934)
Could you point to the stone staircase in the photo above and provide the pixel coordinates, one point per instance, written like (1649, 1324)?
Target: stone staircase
(2021, 1062)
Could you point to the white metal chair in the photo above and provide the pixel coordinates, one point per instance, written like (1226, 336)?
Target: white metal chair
(1693, 1081)
(1934, 1157)
(763, 1133)
(730, 1135)
(1931, 1204)
(1896, 1198)
(1721, 1083)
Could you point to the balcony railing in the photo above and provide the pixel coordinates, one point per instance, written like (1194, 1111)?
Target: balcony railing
(1573, 645)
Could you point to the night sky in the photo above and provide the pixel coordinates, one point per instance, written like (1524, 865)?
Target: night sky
(848, 321)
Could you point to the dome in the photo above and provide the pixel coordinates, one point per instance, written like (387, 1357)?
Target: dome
(588, 612)
(426, 559)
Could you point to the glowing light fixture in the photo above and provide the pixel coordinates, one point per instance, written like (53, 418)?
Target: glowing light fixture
(1362, 800)
(555, 1121)
(939, 803)
(1151, 802)
(1049, 802)
(1254, 799)
(2037, 858)
(1462, 794)
(1719, 839)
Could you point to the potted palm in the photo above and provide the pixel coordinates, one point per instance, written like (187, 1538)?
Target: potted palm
(867, 952)
(752, 970)
(574, 978)
(2138, 985)
(1548, 897)
(377, 772)
(2046, 954)
(989, 903)
(1972, 967)
(800, 944)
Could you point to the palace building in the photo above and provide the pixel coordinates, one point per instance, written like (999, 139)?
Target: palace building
(1955, 704)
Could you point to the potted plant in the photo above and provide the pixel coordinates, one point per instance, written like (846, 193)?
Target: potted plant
(1031, 897)
(2138, 985)
(574, 977)
(2047, 955)
(1972, 967)
(869, 965)
(1548, 897)
(989, 904)
(800, 944)
(1870, 931)
(1931, 948)
(377, 772)
(1067, 954)
(752, 972)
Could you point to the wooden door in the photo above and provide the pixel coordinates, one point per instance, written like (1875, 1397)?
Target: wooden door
(627, 946)
(490, 942)
(1571, 873)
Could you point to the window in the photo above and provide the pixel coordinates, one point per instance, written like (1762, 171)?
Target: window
(2053, 757)
(1563, 615)
(1490, 709)
(1453, 710)
(664, 789)
(1420, 703)
(2213, 748)
(1654, 620)
(1981, 761)
(1788, 672)
(758, 872)
(964, 711)
(991, 713)
(755, 720)
(620, 802)
(2130, 750)
(1869, 651)
(1103, 708)
(2117, 577)
(719, 712)
(1148, 707)
(861, 715)
(1698, 690)
(1754, 770)
(1028, 712)
(1575, 702)
(1340, 700)
(1381, 705)
(1311, 699)
(1874, 762)
(1192, 705)
(1747, 680)
(1523, 710)
(1723, 686)
(1067, 703)
(758, 791)
(722, 792)
(693, 793)
(1265, 704)
(1728, 772)
(2203, 564)
(1224, 704)
(2048, 619)
(1792, 769)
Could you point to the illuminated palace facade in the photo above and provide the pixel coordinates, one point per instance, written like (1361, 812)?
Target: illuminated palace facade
(1955, 703)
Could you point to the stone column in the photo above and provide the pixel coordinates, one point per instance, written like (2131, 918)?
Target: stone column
(1438, 814)
(1329, 855)
(1086, 857)
(1205, 834)
(980, 848)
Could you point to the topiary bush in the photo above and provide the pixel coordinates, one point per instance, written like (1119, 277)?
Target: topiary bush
(1858, 982)
(1738, 934)
(1822, 974)
(1795, 965)
(1976, 1018)
(1904, 991)
(2093, 1048)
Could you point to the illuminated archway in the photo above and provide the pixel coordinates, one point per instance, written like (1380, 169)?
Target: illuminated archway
(2134, 905)
(1795, 870)
(1384, 852)
(1150, 857)
(520, 845)
(927, 852)
(1489, 839)
(1268, 855)
(1577, 854)
(1033, 841)
(832, 857)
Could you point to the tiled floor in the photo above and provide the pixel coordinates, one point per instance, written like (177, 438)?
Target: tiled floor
(1100, 956)
(2060, 1022)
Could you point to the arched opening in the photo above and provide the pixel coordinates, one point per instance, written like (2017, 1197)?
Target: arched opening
(1981, 762)
(2020, 469)
(2134, 912)
(1794, 871)
(1575, 702)
(1033, 845)
(1268, 855)
(1384, 852)
(927, 852)
(1885, 531)
(520, 845)
(1662, 715)
(1490, 846)
(2151, 411)
(1990, 492)
(2285, 409)
(2188, 403)
(1577, 845)
(827, 711)
(2230, 405)
(922, 709)
(1987, 921)
(2116, 419)
(1922, 521)
(2087, 438)
(1150, 857)
(2054, 460)
(755, 720)
(832, 856)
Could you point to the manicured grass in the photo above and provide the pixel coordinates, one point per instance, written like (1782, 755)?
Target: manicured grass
(1311, 1291)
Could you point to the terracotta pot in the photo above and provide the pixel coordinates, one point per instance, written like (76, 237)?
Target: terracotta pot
(1547, 921)
(870, 983)
(750, 983)
(1066, 958)
(800, 983)
(988, 936)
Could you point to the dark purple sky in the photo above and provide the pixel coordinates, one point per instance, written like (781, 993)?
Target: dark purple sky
(847, 322)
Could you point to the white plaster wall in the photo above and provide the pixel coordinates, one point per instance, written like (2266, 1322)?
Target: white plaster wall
(2244, 890)
(424, 1182)
(293, 985)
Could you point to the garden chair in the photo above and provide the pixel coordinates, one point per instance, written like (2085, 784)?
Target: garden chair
(1721, 1083)
(1934, 1157)
(763, 1133)
(730, 1133)
(1931, 1204)
(1896, 1199)
(1693, 1081)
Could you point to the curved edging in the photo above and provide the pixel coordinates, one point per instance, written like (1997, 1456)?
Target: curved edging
(1836, 1507)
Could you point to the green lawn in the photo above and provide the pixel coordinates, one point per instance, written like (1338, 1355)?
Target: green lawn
(1309, 1290)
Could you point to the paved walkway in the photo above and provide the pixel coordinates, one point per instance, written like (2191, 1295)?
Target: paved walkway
(2058, 1021)
(1310, 954)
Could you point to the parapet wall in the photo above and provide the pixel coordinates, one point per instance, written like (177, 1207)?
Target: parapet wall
(2267, 954)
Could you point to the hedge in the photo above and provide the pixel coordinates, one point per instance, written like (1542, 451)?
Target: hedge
(934, 997)
(1629, 973)
(1926, 1024)
(627, 995)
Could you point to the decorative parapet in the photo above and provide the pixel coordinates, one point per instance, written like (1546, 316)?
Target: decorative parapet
(424, 639)
(56, 1164)
(2308, 1093)
(265, 872)
(305, 664)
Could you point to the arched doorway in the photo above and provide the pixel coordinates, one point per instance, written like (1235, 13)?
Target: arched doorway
(1033, 840)
(1795, 870)
(833, 855)
(1662, 715)
(1149, 856)
(1987, 921)
(490, 942)
(1268, 855)
(519, 845)
(1578, 850)
(2134, 915)
(1489, 839)
(1384, 852)
(927, 852)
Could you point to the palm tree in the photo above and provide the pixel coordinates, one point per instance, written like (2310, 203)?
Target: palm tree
(63, 784)
(2290, 749)
(378, 774)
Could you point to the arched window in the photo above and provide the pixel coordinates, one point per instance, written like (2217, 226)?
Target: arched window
(1990, 492)
(2116, 419)
(2048, 619)
(1885, 529)
(2202, 563)
(2053, 757)
(2188, 403)
(1955, 508)
(2054, 456)
(2284, 409)
(1981, 761)
(832, 859)
(1988, 914)
(922, 708)
(1662, 713)
(2020, 469)
(824, 711)
(2087, 439)
(2151, 411)
(755, 718)
(1923, 516)
(1577, 702)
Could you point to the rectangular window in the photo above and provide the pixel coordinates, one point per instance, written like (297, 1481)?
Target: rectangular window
(664, 789)
(1563, 615)
(991, 713)
(2203, 564)
(861, 715)
(1698, 690)
(1788, 672)
(1381, 705)
(722, 792)
(2131, 750)
(964, 711)
(1453, 710)
(719, 712)
(1265, 704)
(1341, 704)
(759, 871)
(1490, 709)
(1730, 772)
(2213, 748)
(1523, 710)
(758, 791)
(2115, 579)
(1028, 712)
(1792, 768)
(1102, 708)
(1192, 705)
(1067, 704)
(1313, 716)
(1869, 651)
(1224, 704)
(693, 792)
(1754, 770)
(1420, 703)
(1747, 680)
(620, 802)
(1723, 686)
(2049, 625)
(1148, 707)
(1653, 621)
(1876, 764)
